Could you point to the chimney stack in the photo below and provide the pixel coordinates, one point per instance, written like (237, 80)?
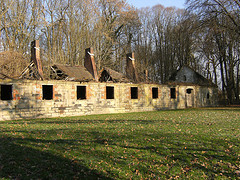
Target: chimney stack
(146, 75)
(35, 57)
(131, 68)
(89, 63)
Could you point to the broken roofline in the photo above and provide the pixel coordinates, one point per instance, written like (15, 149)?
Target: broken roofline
(110, 75)
(70, 73)
(34, 70)
(89, 71)
(86, 73)
(77, 73)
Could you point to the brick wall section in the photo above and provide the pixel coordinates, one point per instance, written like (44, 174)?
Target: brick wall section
(27, 99)
(88, 92)
(103, 92)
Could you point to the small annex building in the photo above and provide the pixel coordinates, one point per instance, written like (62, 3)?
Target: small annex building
(81, 90)
(199, 89)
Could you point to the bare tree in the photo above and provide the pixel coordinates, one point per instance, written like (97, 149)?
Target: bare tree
(165, 41)
(221, 18)
(210, 9)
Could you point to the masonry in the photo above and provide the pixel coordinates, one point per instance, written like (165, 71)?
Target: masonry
(78, 90)
(28, 99)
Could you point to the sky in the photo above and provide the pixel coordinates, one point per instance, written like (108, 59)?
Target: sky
(151, 3)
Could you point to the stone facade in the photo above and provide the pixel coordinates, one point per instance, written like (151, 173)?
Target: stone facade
(46, 99)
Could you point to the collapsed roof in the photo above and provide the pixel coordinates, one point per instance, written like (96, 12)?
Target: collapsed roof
(70, 73)
(14, 65)
(109, 75)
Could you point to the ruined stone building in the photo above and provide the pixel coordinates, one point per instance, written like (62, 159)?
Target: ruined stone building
(80, 90)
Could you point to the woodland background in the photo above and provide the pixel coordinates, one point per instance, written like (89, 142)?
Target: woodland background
(204, 36)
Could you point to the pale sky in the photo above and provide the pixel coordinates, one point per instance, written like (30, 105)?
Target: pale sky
(151, 3)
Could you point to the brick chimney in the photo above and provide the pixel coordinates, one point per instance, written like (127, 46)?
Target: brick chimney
(131, 68)
(35, 57)
(89, 63)
(146, 75)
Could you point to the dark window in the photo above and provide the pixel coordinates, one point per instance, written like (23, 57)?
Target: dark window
(154, 93)
(6, 92)
(134, 93)
(184, 78)
(173, 93)
(81, 92)
(109, 92)
(208, 96)
(189, 91)
(47, 91)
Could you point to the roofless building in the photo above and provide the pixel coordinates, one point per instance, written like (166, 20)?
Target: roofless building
(80, 90)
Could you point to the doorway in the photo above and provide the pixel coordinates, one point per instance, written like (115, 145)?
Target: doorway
(189, 98)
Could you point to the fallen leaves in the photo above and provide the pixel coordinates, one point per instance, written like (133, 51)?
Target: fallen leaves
(152, 145)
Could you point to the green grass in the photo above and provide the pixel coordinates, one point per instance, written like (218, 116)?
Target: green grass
(185, 144)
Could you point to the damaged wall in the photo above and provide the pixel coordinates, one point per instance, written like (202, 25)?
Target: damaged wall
(30, 98)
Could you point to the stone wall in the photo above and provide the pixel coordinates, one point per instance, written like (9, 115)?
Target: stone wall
(28, 98)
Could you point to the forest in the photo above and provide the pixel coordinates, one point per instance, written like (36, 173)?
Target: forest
(205, 36)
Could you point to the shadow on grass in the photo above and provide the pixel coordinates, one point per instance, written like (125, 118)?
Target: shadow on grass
(21, 162)
(205, 159)
(60, 122)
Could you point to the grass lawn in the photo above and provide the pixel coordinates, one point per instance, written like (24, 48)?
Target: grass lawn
(185, 144)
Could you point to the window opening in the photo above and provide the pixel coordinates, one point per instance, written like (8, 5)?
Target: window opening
(6, 92)
(81, 92)
(173, 93)
(134, 93)
(189, 91)
(47, 91)
(109, 92)
(154, 93)
(184, 78)
(208, 95)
